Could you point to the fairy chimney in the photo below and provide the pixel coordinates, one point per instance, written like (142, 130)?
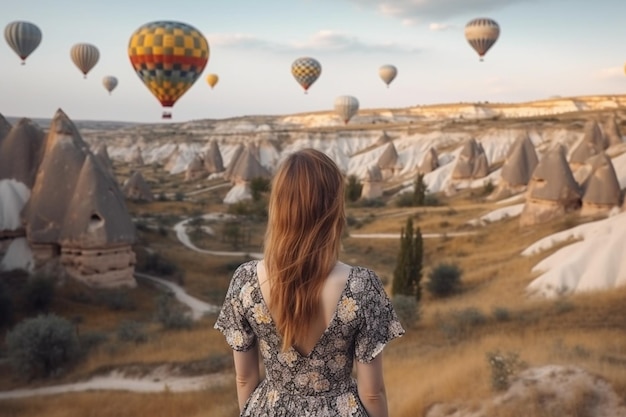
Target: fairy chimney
(552, 190)
(472, 162)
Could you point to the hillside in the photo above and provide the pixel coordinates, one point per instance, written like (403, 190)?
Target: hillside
(456, 348)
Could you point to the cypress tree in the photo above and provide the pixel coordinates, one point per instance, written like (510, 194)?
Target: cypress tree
(408, 272)
(419, 190)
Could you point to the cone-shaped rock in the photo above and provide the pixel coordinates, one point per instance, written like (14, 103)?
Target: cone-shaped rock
(389, 158)
(213, 162)
(602, 189)
(233, 161)
(195, 169)
(136, 188)
(55, 182)
(248, 167)
(592, 143)
(21, 151)
(97, 215)
(382, 139)
(430, 161)
(520, 162)
(372, 184)
(472, 162)
(552, 190)
(102, 153)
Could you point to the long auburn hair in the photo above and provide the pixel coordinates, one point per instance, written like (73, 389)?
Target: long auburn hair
(306, 219)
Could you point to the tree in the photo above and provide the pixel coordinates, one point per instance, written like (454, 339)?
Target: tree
(353, 188)
(39, 346)
(419, 190)
(408, 272)
(258, 186)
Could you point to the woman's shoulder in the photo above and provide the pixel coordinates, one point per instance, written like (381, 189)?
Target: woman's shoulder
(364, 279)
(245, 272)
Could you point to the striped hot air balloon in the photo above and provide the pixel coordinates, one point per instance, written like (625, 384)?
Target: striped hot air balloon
(85, 56)
(168, 57)
(23, 38)
(346, 107)
(481, 34)
(306, 71)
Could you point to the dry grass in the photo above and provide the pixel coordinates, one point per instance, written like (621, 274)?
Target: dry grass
(442, 358)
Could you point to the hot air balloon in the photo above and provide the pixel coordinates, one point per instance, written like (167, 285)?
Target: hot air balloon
(306, 71)
(346, 107)
(481, 34)
(168, 57)
(387, 73)
(23, 38)
(212, 79)
(109, 82)
(85, 56)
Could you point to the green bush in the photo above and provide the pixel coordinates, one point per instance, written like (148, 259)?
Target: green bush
(406, 308)
(91, 339)
(40, 346)
(117, 300)
(353, 188)
(39, 293)
(444, 280)
(503, 367)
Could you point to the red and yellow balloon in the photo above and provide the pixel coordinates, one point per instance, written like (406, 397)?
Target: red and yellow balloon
(168, 57)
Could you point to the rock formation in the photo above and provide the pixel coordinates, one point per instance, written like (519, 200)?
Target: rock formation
(246, 168)
(213, 162)
(20, 152)
(104, 159)
(430, 161)
(136, 188)
(612, 132)
(5, 127)
(472, 162)
(76, 212)
(388, 161)
(519, 164)
(233, 161)
(13, 197)
(552, 190)
(195, 169)
(592, 143)
(382, 139)
(601, 189)
(372, 184)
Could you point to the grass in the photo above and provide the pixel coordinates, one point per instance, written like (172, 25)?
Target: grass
(442, 358)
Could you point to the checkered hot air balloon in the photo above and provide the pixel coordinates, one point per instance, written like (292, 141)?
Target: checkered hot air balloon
(23, 38)
(481, 34)
(168, 57)
(306, 71)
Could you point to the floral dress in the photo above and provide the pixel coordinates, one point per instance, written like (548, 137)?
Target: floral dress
(319, 384)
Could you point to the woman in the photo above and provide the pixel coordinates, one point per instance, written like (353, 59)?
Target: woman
(308, 314)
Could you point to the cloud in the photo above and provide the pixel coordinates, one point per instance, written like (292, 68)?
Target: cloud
(324, 41)
(439, 27)
(435, 9)
(609, 73)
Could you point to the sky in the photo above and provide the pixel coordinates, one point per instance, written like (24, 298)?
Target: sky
(546, 48)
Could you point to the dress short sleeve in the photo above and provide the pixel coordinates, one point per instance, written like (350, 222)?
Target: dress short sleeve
(379, 321)
(232, 320)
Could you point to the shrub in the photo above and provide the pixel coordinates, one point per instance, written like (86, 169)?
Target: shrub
(40, 346)
(170, 314)
(406, 308)
(131, 331)
(444, 280)
(353, 188)
(39, 293)
(404, 200)
(501, 314)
